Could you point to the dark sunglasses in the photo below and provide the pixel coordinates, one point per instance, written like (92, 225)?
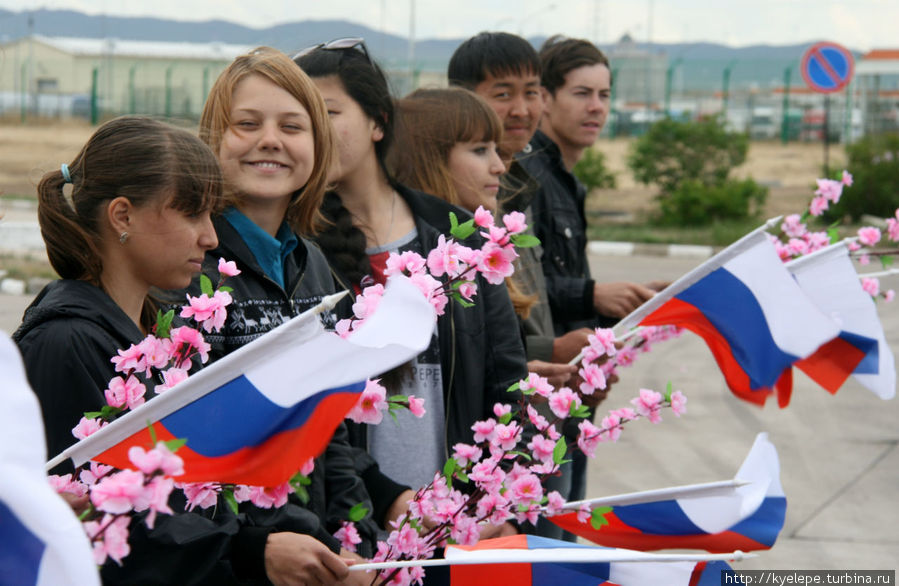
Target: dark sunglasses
(337, 45)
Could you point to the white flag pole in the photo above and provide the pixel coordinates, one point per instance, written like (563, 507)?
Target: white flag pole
(707, 489)
(556, 555)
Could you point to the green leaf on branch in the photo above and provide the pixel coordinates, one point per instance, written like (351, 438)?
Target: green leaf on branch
(522, 454)
(228, 495)
(461, 231)
(164, 323)
(299, 482)
(448, 470)
(106, 413)
(668, 389)
(175, 444)
(506, 418)
(598, 517)
(517, 387)
(559, 451)
(462, 476)
(206, 286)
(358, 512)
(226, 289)
(580, 411)
(833, 233)
(399, 399)
(457, 297)
(524, 240)
(886, 261)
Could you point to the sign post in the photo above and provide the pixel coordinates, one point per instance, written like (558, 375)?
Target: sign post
(827, 68)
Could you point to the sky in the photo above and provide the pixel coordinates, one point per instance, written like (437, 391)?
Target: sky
(857, 24)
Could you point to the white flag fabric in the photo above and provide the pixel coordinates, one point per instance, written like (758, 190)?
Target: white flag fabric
(829, 279)
(41, 540)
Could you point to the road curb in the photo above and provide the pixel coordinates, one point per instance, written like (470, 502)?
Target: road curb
(606, 248)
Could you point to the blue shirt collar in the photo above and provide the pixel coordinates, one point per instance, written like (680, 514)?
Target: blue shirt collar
(270, 252)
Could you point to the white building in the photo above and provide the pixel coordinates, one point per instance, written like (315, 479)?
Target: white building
(57, 76)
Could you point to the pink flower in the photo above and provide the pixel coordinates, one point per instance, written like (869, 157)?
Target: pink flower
(888, 295)
(371, 405)
(626, 356)
(611, 427)
(871, 286)
(432, 289)
(538, 420)
(130, 359)
(228, 268)
(464, 454)
(483, 218)
(200, 494)
(348, 536)
(797, 246)
(125, 392)
(593, 378)
(589, 437)
(171, 377)
(406, 263)
(893, 228)
(160, 458)
(94, 473)
(526, 488)
(444, 259)
(542, 448)
(208, 311)
(793, 226)
(66, 484)
(554, 503)
(625, 413)
(869, 235)
(120, 492)
(499, 409)
(864, 260)
(266, 498)
(678, 403)
(584, 513)
(367, 303)
(468, 290)
(157, 353)
(483, 430)
(496, 262)
(515, 222)
(506, 437)
(344, 328)
(157, 495)
(647, 402)
(186, 340)
(818, 206)
(829, 189)
(846, 178)
(307, 467)
(601, 343)
(114, 540)
(561, 401)
(539, 384)
(816, 240)
(87, 427)
(487, 475)
(417, 406)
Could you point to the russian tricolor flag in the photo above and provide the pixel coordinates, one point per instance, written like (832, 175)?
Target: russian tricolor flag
(748, 519)
(752, 315)
(861, 350)
(255, 416)
(41, 541)
(538, 561)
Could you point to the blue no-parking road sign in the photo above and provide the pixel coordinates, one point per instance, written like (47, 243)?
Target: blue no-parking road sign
(827, 67)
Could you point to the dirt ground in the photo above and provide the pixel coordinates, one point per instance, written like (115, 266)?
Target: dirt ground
(27, 152)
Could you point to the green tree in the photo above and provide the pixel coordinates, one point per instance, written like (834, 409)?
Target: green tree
(874, 164)
(592, 171)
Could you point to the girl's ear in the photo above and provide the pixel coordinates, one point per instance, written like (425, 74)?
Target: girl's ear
(118, 213)
(377, 133)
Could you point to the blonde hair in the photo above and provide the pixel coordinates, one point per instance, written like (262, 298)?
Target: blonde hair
(303, 214)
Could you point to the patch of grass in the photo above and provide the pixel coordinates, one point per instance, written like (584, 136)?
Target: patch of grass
(718, 234)
(26, 268)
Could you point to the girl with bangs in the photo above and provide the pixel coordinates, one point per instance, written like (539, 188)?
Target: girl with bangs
(269, 127)
(475, 353)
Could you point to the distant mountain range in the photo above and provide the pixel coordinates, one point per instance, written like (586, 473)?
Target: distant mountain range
(702, 63)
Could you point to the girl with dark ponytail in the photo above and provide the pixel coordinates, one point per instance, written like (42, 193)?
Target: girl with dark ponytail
(476, 352)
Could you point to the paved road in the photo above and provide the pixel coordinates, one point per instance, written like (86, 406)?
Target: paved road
(839, 456)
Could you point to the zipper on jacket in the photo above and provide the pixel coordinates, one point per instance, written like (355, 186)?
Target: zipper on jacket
(449, 389)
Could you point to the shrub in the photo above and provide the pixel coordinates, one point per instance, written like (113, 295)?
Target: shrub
(592, 171)
(694, 203)
(672, 152)
(874, 164)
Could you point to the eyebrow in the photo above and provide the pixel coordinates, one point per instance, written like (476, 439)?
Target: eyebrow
(289, 113)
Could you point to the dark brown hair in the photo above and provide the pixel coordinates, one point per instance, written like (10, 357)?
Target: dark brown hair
(560, 55)
(135, 157)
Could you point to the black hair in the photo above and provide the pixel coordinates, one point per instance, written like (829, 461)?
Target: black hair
(559, 55)
(496, 54)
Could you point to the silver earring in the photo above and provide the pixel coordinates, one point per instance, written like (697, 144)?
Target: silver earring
(123, 237)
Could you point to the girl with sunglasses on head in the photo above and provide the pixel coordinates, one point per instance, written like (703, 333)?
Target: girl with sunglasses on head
(475, 354)
(269, 128)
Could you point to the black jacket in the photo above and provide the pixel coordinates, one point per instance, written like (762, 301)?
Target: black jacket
(561, 226)
(67, 337)
(259, 305)
(481, 353)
